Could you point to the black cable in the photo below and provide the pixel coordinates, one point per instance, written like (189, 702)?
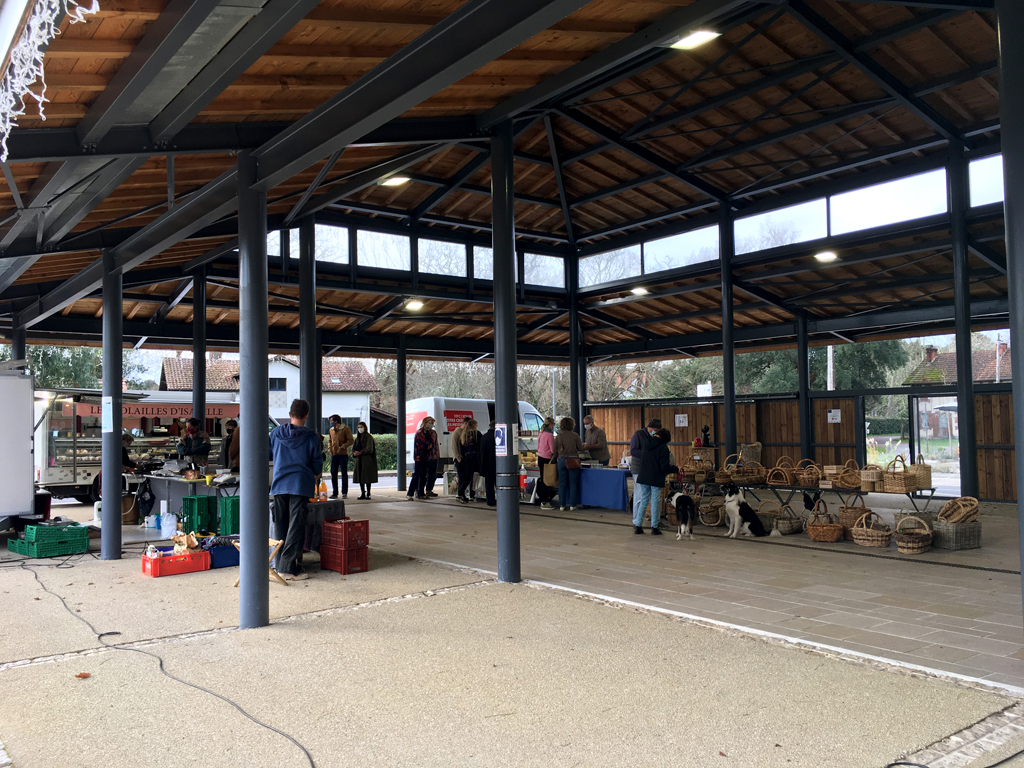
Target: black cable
(101, 635)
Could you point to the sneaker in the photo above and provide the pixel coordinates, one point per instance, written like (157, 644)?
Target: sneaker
(421, 498)
(333, 497)
(637, 529)
(463, 499)
(299, 576)
(655, 532)
(344, 495)
(545, 505)
(362, 497)
(573, 509)
(431, 495)
(408, 498)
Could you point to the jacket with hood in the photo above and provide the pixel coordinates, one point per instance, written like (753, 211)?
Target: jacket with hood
(298, 458)
(655, 463)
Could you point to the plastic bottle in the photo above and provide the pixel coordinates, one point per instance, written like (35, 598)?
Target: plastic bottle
(323, 491)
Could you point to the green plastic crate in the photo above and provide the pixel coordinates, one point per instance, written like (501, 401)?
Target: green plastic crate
(47, 548)
(199, 513)
(229, 511)
(17, 546)
(77, 534)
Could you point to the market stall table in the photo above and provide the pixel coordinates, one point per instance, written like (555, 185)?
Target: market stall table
(841, 493)
(604, 487)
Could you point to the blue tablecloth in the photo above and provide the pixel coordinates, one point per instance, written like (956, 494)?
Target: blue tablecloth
(604, 488)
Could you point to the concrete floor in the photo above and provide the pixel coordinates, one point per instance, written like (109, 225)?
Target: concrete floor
(372, 670)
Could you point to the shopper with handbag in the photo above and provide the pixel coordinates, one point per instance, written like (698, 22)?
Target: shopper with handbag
(469, 462)
(545, 448)
(567, 452)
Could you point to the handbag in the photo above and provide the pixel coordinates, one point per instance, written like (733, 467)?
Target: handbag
(572, 462)
(551, 474)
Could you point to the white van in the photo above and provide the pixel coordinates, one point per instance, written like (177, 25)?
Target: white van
(449, 412)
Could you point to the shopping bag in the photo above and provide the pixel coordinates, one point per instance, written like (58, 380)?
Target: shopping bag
(551, 474)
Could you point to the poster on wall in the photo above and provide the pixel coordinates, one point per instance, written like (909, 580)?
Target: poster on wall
(682, 420)
(501, 440)
(834, 416)
(107, 418)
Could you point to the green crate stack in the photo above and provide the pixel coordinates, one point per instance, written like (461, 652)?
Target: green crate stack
(199, 513)
(52, 534)
(48, 548)
(229, 515)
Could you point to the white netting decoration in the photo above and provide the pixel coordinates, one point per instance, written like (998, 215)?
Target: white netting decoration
(26, 64)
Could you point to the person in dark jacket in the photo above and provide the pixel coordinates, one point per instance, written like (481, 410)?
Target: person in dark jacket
(637, 443)
(489, 465)
(227, 461)
(194, 446)
(422, 444)
(364, 454)
(298, 463)
(655, 464)
(469, 461)
(126, 459)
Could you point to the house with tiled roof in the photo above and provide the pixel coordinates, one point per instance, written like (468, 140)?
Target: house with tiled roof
(347, 385)
(940, 367)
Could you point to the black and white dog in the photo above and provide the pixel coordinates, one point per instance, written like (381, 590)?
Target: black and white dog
(686, 514)
(742, 517)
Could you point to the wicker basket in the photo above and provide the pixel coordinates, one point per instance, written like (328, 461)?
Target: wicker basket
(823, 526)
(962, 510)
(914, 540)
(871, 477)
(870, 531)
(769, 512)
(725, 474)
(750, 452)
(899, 482)
(848, 479)
(850, 513)
(927, 517)
(712, 512)
(697, 464)
(923, 472)
(789, 522)
(786, 465)
(750, 473)
(779, 476)
(807, 476)
(956, 535)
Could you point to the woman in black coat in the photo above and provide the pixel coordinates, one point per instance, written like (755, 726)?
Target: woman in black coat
(655, 464)
(489, 465)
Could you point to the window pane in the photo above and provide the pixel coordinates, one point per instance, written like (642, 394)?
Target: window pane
(442, 258)
(889, 203)
(987, 181)
(331, 244)
(378, 249)
(274, 243)
(609, 266)
(544, 270)
(483, 263)
(785, 226)
(694, 247)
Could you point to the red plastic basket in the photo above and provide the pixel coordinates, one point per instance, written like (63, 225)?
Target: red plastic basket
(346, 534)
(344, 561)
(172, 565)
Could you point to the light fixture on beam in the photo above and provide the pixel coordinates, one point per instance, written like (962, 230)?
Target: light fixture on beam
(695, 39)
(414, 304)
(394, 181)
(826, 257)
(639, 291)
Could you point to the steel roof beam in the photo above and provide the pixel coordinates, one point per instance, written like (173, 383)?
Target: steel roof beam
(952, 5)
(563, 199)
(176, 297)
(472, 36)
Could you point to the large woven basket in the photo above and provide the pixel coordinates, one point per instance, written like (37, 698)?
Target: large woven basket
(850, 513)
(962, 510)
(787, 466)
(913, 540)
(724, 475)
(849, 478)
(712, 511)
(779, 476)
(808, 476)
(896, 481)
(750, 473)
(871, 531)
(956, 535)
(922, 471)
(768, 512)
(696, 465)
(750, 452)
(823, 526)
(789, 522)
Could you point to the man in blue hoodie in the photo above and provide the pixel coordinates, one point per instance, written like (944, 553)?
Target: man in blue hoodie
(298, 463)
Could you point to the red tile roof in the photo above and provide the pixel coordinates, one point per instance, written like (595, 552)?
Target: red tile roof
(222, 375)
(942, 370)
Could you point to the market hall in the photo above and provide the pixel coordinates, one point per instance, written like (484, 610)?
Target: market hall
(400, 180)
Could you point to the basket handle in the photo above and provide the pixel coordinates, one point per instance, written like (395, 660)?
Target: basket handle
(731, 456)
(912, 517)
(820, 503)
(788, 511)
(873, 467)
(920, 458)
(787, 465)
(892, 464)
(810, 463)
(754, 464)
(760, 506)
(865, 519)
(854, 462)
(855, 497)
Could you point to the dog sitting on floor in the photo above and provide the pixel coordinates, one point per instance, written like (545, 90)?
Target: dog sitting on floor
(686, 514)
(742, 517)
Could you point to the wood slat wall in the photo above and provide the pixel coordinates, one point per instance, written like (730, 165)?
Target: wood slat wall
(834, 443)
(778, 424)
(997, 469)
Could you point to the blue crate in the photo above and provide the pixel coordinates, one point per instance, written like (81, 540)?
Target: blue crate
(223, 557)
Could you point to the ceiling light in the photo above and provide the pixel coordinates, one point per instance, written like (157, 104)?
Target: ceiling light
(695, 39)
(414, 304)
(394, 181)
(826, 256)
(639, 291)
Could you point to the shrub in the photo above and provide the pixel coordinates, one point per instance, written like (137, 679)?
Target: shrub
(387, 451)
(883, 425)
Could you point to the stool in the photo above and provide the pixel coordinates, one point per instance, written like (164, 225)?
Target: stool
(276, 544)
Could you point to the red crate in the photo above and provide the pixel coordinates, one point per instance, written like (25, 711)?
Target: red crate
(346, 534)
(172, 565)
(344, 561)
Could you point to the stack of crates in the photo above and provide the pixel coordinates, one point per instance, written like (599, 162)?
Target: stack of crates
(51, 541)
(343, 546)
(199, 514)
(229, 515)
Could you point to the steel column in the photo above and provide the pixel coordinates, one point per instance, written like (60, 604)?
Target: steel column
(400, 426)
(726, 253)
(19, 348)
(804, 377)
(506, 400)
(254, 395)
(113, 372)
(307, 320)
(582, 396)
(1011, 102)
(860, 430)
(575, 404)
(959, 202)
(199, 345)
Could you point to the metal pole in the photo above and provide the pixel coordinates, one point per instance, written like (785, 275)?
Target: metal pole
(1011, 102)
(572, 275)
(804, 377)
(199, 345)
(19, 348)
(726, 252)
(553, 395)
(401, 428)
(254, 396)
(308, 367)
(113, 372)
(506, 400)
(959, 201)
(583, 390)
(859, 420)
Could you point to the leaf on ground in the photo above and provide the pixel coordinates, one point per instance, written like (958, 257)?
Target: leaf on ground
(722, 753)
(83, 675)
(35, 598)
